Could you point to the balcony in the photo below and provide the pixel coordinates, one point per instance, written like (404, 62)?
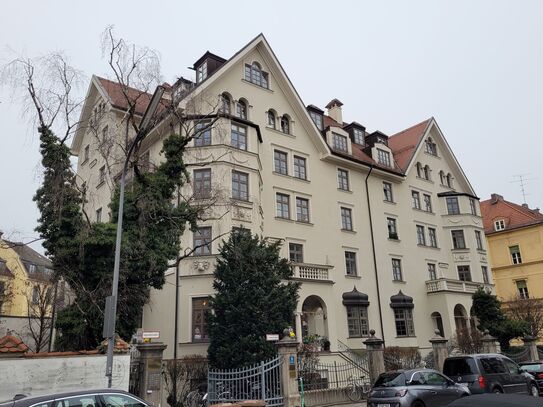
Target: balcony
(457, 286)
(312, 272)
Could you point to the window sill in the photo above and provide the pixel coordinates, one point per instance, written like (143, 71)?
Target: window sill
(394, 240)
(389, 202)
(256, 86)
(460, 250)
(425, 180)
(290, 176)
(358, 337)
(301, 222)
(423, 211)
(284, 219)
(432, 155)
(399, 281)
(280, 132)
(345, 190)
(242, 202)
(353, 277)
(405, 336)
(349, 231)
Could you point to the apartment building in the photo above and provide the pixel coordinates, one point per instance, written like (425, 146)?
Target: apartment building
(514, 234)
(383, 231)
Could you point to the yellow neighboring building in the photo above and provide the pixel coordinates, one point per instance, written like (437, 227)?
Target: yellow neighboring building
(515, 243)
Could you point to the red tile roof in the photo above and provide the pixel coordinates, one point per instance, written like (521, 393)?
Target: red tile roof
(10, 344)
(405, 143)
(118, 99)
(514, 215)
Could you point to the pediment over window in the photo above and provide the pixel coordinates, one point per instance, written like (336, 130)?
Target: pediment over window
(355, 297)
(401, 300)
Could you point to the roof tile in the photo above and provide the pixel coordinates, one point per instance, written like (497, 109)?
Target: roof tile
(514, 215)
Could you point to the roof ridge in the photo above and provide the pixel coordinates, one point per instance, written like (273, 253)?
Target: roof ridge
(412, 127)
(522, 210)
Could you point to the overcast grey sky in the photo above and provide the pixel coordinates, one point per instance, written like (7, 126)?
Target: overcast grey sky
(476, 66)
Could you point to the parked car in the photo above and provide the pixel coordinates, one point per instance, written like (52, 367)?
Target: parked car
(414, 388)
(490, 373)
(84, 398)
(497, 400)
(536, 370)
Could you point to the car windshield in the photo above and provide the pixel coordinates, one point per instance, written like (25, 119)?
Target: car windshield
(535, 367)
(392, 379)
(459, 367)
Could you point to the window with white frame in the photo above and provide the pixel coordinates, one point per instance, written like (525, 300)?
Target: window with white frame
(240, 185)
(339, 142)
(522, 289)
(285, 124)
(392, 229)
(271, 119)
(421, 236)
(225, 103)
(432, 237)
(515, 254)
(343, 179)
(346, 219)
(432, 274)
(357, 321)
(302, 210)
(473, 206)
(383, 157)
(458, 239)
(280, 162)
(431, 147)
(449, 180)
(317, 119)
(403, 318)
(427, 202)
(282, 205)
(202, 241)
(202, 183)
(397, 274)
(499, 225)
(464, 273)
(202, 134)
(255, 74)
(427, 172)
(358, 136)
(200, 309)
(296, 252)
(241, 109)
(479, 240)
(300, 167)
(238, 137)
(387, 192)
(484, 270)
(350, 263)
(452, 205)
(415, 197)
(201, 72)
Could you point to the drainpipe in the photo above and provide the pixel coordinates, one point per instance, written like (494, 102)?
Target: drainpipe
(374, 257)
(176, 313)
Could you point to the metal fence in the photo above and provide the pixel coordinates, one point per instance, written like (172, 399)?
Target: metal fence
(258, 382)
(324, 376)
(521, 356)
(136, 368)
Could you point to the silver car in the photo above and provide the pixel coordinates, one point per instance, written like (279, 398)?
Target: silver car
(415, 388)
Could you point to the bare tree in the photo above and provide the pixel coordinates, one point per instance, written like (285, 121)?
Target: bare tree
(468, 340)
(40, 300)
(181, 376)
(529, 310)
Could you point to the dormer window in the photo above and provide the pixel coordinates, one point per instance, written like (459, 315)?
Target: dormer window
(383, 157)
(499, 225)
(380, 140)
(358, 136)
(201, 72)
(285, 124)
(431, 147)
(254, 74)
(241, 109)
(317, 119)
(340, 142)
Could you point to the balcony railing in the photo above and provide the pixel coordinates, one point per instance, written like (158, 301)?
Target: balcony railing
(458, 286)
(304, 271)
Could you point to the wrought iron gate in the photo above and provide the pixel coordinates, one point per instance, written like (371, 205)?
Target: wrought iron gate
(258, 382)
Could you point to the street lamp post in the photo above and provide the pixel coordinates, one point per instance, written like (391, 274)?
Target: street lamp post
(111, 302)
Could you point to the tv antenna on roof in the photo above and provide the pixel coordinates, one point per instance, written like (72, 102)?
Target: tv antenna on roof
(522, 180)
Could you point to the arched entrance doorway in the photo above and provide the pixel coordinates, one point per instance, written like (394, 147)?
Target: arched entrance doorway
(460, 318)
(314, 317)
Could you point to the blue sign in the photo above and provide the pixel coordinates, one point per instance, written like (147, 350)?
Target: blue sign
(291, 360)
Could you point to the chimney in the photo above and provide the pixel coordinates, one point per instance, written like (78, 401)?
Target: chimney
(496, 197)
(334, 110)
(525, 205)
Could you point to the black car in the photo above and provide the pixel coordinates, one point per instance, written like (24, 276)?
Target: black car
(84, 398)
(536, 370)
(490, 373)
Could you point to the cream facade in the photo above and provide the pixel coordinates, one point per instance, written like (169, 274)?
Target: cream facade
(369, 255)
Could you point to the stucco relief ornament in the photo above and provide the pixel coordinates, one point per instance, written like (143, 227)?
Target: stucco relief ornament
(201, 265)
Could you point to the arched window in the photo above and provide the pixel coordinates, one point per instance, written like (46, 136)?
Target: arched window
(225, 103)
(419, 170)
(285, 124)
(449, 180)
(254, 74)
(442, 177)
(241, 109)
(271, 119)
(427, 172)
(438, 323)
(431, 147)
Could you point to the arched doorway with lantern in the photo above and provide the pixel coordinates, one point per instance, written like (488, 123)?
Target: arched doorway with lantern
(314, 317)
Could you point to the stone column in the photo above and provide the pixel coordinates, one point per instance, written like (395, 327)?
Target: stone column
(439, 349)
(298, 316)
(150, 380)
(376, 357)
(287, 348)
(490, 345)
(530, 344)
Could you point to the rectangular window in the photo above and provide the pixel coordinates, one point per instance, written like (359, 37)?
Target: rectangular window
(99, 215)
(343, 179)
(522, 288)
(479, 240)
(403, 319)
(427, 203)
(392, 229)
(282, 206)
(280, 162)
(464, 273)
(515, 254)
(300, 170)
(202, 241)
(357, 321)
(239, 137)
(415, 197)
(421, 236)
(87, 153)
(383, 157)
(432, 238)
(484, 270)
(397, 270)
(317, 119)
(432, 274)
(499, 225)
(201, 72)
(387, 191)
(452, 205)
(473, 206)
(340, 142)
(296, 252)
(346, 219)
(358, 136)
(200, 309)
(350, 264)
(202, 183)
(458, 239)
(302, 210)
(240, 185)
(102, 175)
(202, 134)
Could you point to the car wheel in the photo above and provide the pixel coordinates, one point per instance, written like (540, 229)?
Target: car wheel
(497, 390)
(417, 403)
(534, 391)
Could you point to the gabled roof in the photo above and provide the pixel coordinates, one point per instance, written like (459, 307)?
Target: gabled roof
(118, 100)
(514, 215)
(404, 144)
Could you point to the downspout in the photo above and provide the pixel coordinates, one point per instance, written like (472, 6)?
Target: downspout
(176, 291)
(374, 257)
